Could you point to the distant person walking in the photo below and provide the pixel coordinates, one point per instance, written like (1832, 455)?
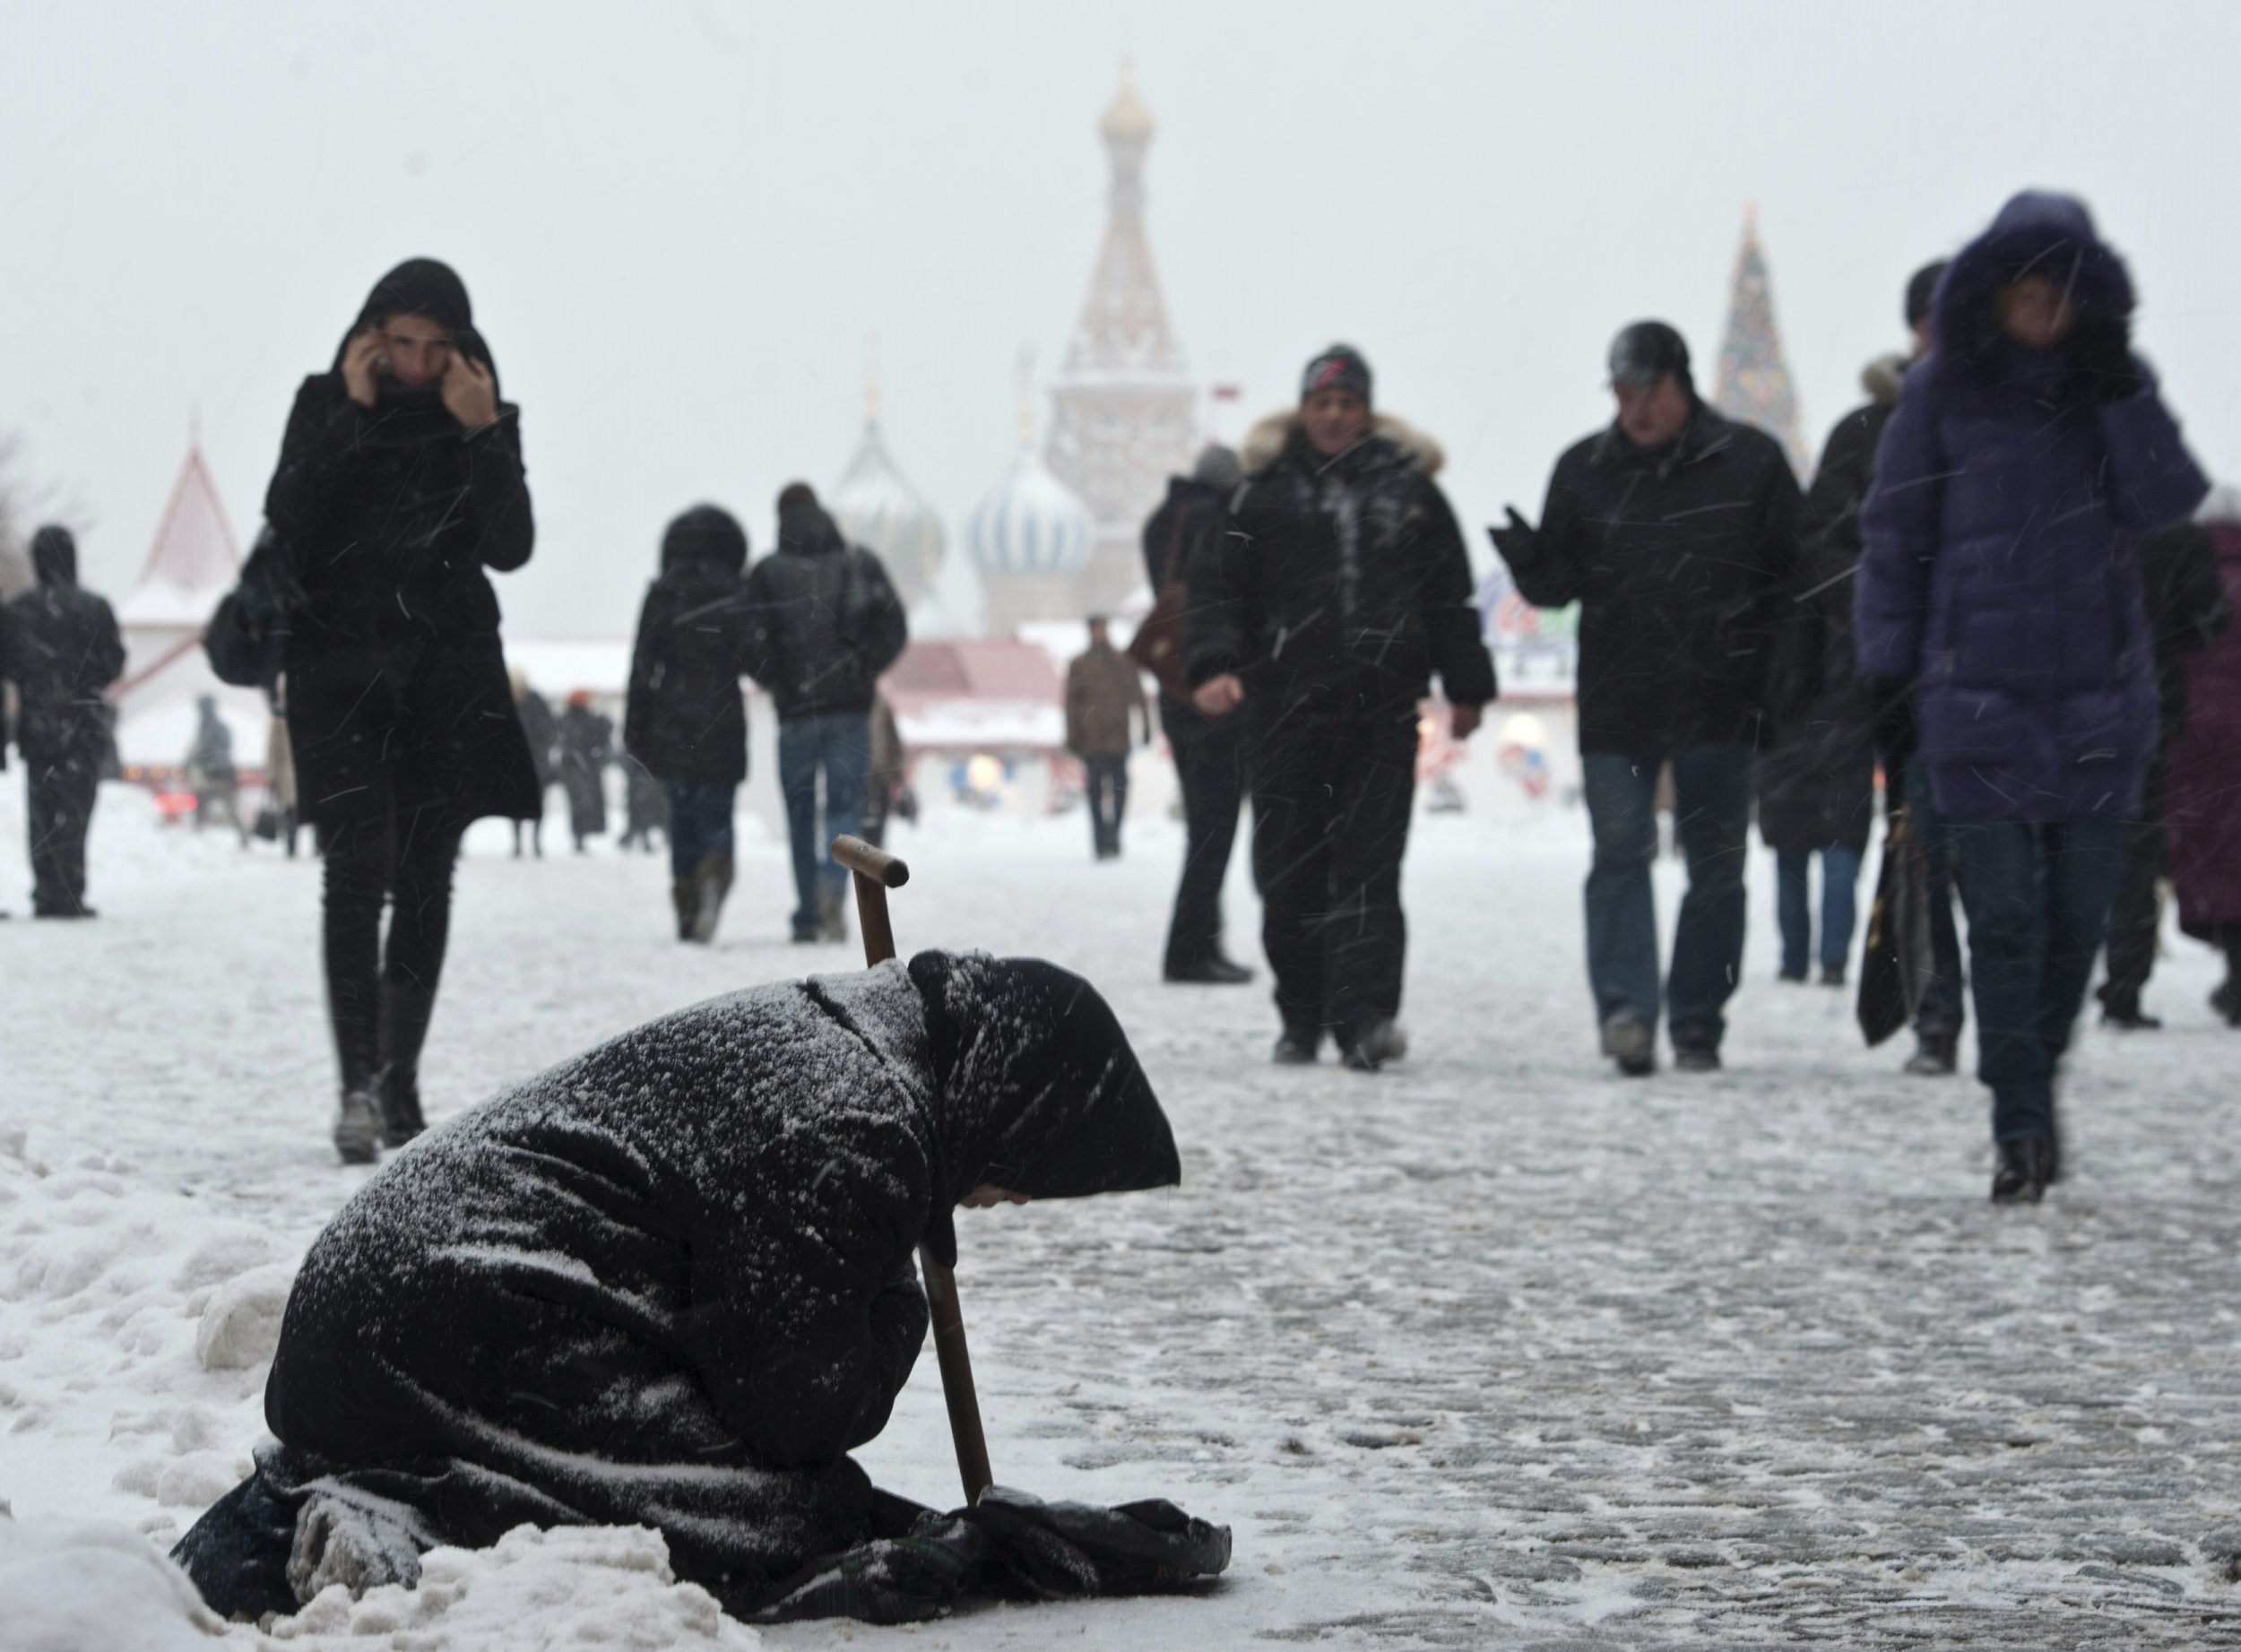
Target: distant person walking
(212, 772)
(2000, 614)
(826, 623)
(1339, 589)
(1104, 709)
(400, 482)
(585, 744)
(59, 646)
(1675, 530)
(542, 733)
(2206, 774)
(686, 719)
(1209, 752)
(887, 794)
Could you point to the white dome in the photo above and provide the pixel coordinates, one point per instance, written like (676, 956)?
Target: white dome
(877, 509)
(1030, 523)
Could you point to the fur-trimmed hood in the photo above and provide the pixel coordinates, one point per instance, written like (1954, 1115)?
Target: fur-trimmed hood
(1267, 440)
(1882, 376)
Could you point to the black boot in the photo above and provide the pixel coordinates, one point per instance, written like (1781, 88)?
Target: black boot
(2024, 1172)
(1381, 1041)
(1935, 1054)
(1296, 1046)
(404, 1017)
(1211, 970)
(685, 898)
(832, 911)
(713, 881)
(354, 1012)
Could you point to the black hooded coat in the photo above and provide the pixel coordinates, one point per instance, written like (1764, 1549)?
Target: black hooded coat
(60, 643)
(398, 699)
(669, 1282)
(827, 621)
(686, 718)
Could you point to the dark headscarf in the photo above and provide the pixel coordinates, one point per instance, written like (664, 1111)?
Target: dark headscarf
(54, 555)
(705, 533)
(427, 287)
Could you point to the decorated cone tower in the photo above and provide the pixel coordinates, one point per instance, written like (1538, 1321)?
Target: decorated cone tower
(1754, 380)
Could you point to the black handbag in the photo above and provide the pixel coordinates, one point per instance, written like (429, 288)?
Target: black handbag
(247, 639)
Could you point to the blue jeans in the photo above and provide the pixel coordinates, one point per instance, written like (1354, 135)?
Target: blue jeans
(1793, 905)
(2038, 899)
(1940, 1015)
(1712, 811)
(839, 746)
(700, 822)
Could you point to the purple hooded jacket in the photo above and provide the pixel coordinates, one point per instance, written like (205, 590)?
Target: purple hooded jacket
(1998, 572)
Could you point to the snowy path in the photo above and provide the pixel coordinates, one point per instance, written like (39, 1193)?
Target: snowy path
(1495, 1349)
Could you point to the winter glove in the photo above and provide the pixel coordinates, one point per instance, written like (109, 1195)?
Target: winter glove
(1890, 702)
(1516, 541)
(2102, 368)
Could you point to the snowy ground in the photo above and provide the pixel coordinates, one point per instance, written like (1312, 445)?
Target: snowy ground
(1495, 1349)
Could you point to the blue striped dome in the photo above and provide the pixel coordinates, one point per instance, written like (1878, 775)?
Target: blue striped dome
(1030, 523)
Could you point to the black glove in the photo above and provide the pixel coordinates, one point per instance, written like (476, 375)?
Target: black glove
(1515, 540)
(1890, 702)
(2102, 364)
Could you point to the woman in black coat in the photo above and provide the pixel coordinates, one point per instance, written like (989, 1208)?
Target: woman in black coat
(669, 1282)
(400, 482)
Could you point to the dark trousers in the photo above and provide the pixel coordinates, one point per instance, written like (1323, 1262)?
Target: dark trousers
(2039, 898)
(1793, 905)
(1331, 797)
(2133, 921)
(1106, 788)
(369, 863)
(1210, 768)
(1712, 787)
(838, 745)
(1941, 1013)
(61, 795)
(700, 822)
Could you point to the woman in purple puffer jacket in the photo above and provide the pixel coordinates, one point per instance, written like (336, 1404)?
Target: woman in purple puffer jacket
(1999, 614)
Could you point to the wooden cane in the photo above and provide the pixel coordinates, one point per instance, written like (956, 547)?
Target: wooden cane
(876, 872)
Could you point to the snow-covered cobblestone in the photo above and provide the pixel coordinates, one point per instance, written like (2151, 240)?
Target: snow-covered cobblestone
(1493, 1349)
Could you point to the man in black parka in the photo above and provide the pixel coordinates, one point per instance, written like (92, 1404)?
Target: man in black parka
(1338, 589)
(60, 643)
(670, 1283)
(1209, 752)
(686, 719)
(1676, 530)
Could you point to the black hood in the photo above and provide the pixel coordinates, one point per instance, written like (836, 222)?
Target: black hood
(54, 555)
(807, 531)
(427, 287)
(706, 534)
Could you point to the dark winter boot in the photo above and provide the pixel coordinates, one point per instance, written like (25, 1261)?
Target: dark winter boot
(832, 912)
(2122, 1011)
(2025, 1170)
(2227, 1000)
(405, 1012)
(714, 879)
(1382, 1042)
(1296, 1046)
(1695, 1059)
(1832, 975)
(358, 1127)
(1628, 1040)
(354, 1010)
(1213, 970)
(685, 898)
(1935, 1055)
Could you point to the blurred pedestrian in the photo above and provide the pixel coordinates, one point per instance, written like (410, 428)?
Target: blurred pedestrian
(585, 746)
(2206, 774)
(887, 780)
(1676, 529)
(212, 773)
(686, 719)
(1339, 589)
(1104, 709)
(542, 734)
(1209, 752)
(59, 644)
(2000, 615)
(400, 481)
(826, 623)
(646, 810)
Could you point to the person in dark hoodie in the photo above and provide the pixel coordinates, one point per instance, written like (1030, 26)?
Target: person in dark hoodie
(400, 482)
(1817, 779)
(826, 622)
(670, 1283)
(1209, 752)
(60, 644)
(1676, 529)
(686, 719)
(2000, 626)
(1340, 588)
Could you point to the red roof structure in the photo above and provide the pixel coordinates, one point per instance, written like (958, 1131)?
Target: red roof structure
(192, 562)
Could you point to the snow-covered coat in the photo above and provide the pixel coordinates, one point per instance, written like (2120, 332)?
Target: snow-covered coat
(669, 1282)
(1338, 581)
(1998, 573)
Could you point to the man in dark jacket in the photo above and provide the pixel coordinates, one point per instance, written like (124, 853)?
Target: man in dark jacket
(686, 719)
(1209, 752)
(1676, 530)
(62, 648)
(826, 624)
(1338, 589)
(2185, 602)
(669, 1282)
(2000, 612)
(1104, 709)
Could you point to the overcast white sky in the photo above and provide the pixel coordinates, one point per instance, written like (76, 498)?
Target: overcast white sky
(682, 219)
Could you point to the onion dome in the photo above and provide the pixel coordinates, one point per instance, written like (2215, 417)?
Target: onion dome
(877, 509)
(1126, 120)
(1030, 523)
